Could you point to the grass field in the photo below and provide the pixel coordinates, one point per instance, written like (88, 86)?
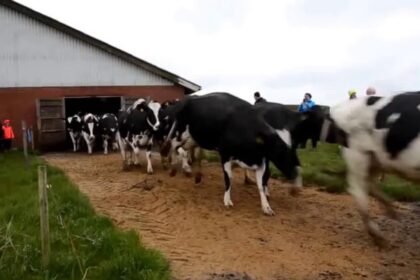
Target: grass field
(325, 168)
(84, 245)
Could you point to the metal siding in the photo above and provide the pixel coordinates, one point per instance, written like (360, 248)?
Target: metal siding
(33, 54)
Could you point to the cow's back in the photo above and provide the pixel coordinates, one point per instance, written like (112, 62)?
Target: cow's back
(208, 115)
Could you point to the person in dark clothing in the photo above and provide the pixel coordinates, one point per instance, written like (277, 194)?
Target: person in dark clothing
(258, 98)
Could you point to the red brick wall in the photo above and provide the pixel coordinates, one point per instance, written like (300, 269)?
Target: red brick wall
(19, 104)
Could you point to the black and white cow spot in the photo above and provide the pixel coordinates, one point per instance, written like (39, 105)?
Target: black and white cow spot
(402, 117)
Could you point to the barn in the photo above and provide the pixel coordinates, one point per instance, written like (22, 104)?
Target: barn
(49, 71)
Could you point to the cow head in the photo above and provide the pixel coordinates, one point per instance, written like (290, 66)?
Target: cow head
(74, 124)
(151, 109)
(280, 153)
(90, 123)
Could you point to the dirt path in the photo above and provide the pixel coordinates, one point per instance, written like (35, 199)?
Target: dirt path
(313, 236)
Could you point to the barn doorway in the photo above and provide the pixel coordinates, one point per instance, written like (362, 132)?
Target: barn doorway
(94, 105)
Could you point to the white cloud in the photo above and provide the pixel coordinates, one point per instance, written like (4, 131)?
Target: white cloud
(281, 48)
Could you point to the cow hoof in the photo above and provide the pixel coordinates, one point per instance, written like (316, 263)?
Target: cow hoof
(198, 177)
(295, 191)
(173, 172)
(150, 171)
(268, 211)
(188, 173)
(228, 204)
(227, 201)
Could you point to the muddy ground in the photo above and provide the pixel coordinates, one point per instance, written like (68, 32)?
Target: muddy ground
(313, 236)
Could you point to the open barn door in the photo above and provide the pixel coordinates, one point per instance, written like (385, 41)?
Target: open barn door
(51, 124)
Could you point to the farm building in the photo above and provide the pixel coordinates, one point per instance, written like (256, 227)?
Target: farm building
(49, 71)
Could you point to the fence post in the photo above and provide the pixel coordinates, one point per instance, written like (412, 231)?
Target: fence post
(43, 210)
(25, 142)
(32, 139)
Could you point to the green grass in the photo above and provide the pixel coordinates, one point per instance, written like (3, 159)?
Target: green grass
(101, 251)
(325, 168)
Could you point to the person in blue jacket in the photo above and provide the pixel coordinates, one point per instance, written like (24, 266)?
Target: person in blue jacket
(307, 103)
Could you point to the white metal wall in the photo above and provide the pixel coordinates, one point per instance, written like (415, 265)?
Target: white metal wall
(33, 54)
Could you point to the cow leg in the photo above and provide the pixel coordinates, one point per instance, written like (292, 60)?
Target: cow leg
(358, 178)
(259, 174)
(298, 184)
(247, 178)
(265, 179)
(173, 159)
(136, 156)
(78, 143)
(384, 199)
(227, 172)
(148, 157)
(123, 151)
(198, 156)
(73, 140)
(185, 159)
(88, 144)
(105, 144)
(314, 143)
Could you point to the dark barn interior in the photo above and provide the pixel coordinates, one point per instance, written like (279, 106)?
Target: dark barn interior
(94, 105)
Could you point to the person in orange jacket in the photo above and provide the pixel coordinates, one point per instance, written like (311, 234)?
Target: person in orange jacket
(8, 135)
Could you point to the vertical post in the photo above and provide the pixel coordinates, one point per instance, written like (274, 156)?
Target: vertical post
(43, 210)
(25, 142)
(32, 139)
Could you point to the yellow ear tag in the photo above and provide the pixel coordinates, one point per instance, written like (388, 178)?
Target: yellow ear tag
(259, 140)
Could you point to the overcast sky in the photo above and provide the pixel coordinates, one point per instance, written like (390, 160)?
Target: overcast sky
(282, 48)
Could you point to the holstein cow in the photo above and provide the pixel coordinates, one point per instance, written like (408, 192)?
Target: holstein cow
(166, 118)
(376, 133)
(74, 127)
(136, 128)
(89, 129)
(108, 129)
(294, 126)
(231, 126)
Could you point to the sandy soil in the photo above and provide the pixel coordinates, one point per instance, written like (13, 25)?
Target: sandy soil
(313, 236)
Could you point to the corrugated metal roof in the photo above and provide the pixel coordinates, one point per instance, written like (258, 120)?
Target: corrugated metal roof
(188, 85)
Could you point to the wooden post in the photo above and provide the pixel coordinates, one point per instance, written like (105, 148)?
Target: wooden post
(31, 130)
(25, 142)
(43, 210)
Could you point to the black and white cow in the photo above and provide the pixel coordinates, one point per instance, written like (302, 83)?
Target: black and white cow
(295, 127)
(108, 129)
(74, 127)
(376, 134)
(89, 130)
(136, 127)
(167, 118)
(232, 126)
